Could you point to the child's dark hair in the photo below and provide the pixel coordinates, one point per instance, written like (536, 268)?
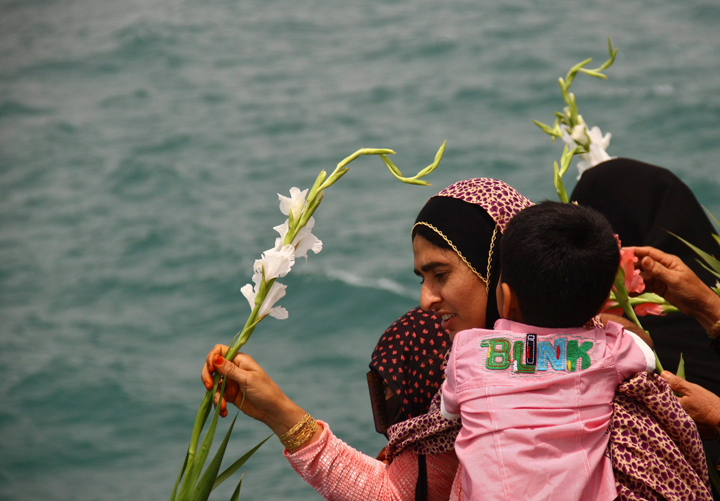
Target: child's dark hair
(561, 260)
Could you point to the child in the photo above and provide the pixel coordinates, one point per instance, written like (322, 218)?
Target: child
(535, 394)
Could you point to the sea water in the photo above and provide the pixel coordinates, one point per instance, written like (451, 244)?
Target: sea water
(142, 147)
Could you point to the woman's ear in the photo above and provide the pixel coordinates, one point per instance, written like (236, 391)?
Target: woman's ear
(508, 305)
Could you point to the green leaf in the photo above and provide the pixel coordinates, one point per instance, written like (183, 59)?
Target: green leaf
(562, 118)
(200, 420)
(237, 464)
(199, 461)
(177, 482)
(708, 268)
(717, 223)
(710, 260)
(680, 372)
(204, 486)
(547, 129)
(236, 493)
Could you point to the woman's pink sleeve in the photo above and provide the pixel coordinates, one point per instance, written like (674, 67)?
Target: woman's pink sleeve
(340, 473)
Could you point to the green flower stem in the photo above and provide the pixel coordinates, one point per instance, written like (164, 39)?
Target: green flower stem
(658, 366)
(570, 117)
(623, 299)
(648, 298)
(323, 182)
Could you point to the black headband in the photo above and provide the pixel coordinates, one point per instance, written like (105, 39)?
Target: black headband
(473, 235)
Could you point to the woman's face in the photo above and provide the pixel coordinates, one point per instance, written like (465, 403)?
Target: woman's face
(449, 287)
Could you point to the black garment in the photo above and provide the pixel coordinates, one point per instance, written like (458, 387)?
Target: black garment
(643, 202)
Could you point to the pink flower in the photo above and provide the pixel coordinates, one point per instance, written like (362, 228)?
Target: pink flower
(617, 311)
(649, 309)
(611, 307)
(633, 280)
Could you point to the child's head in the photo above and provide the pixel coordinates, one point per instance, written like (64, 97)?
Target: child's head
(559, 261)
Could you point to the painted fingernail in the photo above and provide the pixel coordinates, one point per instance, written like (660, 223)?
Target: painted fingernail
(219, 360)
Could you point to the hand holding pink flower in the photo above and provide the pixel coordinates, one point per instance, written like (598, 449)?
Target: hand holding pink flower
(649, 309)
(633, 281)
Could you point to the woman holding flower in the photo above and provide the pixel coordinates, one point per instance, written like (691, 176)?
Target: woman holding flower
(454, 244)
(455, 241)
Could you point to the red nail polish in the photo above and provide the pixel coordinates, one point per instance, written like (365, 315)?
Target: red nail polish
(219, 360)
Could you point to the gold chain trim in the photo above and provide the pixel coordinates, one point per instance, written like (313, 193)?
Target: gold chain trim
(485, 280)
(490, 254)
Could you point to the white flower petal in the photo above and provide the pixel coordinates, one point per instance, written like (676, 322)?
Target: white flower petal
(276, 292)
(578, 134)
(596, 155)
(597, 138)
(305, 240)
(306, 243)
(249, 293)
(279, 312)
(282, 229)
(275, 262)
(294, 204)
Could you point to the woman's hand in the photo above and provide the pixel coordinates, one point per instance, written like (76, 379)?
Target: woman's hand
(264, 400)
(666, 275)
(701, 405)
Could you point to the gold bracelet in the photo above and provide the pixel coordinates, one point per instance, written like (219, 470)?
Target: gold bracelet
(302, 437)
(714, 331)
(307, 430)
(294, 429)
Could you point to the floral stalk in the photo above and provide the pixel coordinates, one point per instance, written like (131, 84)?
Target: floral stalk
(590, 145)
(295, 240)
(569, 125)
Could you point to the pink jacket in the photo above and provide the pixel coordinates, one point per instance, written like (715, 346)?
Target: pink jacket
(340, 473)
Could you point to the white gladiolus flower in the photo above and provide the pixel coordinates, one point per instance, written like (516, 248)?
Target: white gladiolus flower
(578, 134)
(282, 229)
(268, 307)
(303, 242)
(294, 204)
(275, 262)
(598, 145)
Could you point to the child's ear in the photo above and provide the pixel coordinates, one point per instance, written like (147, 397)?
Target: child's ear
(509, 306)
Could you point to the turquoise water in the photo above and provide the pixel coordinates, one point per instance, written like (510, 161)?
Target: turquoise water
(142, 145)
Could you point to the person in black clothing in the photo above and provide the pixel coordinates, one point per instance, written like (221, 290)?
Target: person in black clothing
(644, 203)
